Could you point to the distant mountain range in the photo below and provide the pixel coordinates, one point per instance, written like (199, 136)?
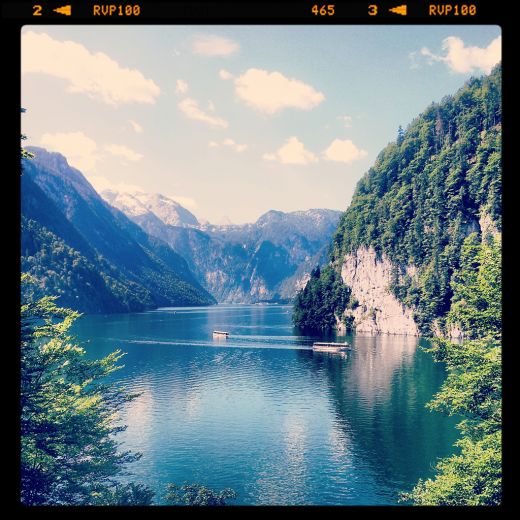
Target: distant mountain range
(120, 252)
(268, 260)
(96, 259)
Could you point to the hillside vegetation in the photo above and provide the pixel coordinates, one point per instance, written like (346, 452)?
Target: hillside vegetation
(438, 183)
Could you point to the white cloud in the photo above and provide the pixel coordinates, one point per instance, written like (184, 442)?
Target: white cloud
(347, 121)
(224, 74)
(94, 74)
(230, 143)
(270, 92)
(79, 150)
(414, 62)
(190, 108)
(181, 87)
(82, 152)
(136, 127)
(124, 152)
(292, 152)
(211, 106)
(234, 145)
(212, 45)
(462, 59)
(344, 151)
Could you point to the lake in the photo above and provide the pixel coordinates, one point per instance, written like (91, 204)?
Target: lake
(264, 415)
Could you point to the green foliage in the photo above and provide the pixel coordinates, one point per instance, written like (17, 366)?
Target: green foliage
(197, 495)
(92, 285)
(471, 478)
(123, 495)
(473, 388)
(68, 415)
(477, 298)
(432, 200)
(324, 298)
(61, 270)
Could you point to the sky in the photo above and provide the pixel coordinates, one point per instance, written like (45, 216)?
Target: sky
(233, 121)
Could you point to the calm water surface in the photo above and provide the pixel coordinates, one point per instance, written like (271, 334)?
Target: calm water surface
(262, 414)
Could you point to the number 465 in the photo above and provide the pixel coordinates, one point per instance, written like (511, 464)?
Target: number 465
(324, 10)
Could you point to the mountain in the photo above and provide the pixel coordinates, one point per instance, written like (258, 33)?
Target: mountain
(430, 197)
(267, 260)
(89, 253)
(143, 205)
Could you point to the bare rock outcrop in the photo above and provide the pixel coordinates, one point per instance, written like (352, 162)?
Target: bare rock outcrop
(378, 310)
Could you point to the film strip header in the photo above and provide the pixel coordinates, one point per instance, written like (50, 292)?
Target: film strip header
(400, 11)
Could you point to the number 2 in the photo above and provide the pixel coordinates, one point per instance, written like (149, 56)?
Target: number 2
(37, 10)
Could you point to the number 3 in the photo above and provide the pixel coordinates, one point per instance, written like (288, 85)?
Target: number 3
(372, 10)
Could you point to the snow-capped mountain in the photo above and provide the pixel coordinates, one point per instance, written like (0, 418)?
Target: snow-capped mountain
(139, 204)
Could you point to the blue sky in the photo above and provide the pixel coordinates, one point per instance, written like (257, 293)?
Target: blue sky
(233, 121)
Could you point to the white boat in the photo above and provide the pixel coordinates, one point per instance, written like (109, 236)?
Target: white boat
(220, 334)
(330, 347)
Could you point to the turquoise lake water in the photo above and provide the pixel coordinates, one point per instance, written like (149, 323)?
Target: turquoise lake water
(264, 415)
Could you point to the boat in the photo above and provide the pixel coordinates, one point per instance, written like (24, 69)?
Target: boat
(330, 347)
(220, 334)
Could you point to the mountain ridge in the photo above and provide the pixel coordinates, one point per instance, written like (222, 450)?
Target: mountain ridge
(140, 271)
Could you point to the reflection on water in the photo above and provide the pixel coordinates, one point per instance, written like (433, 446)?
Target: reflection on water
(262, 414)
(376, 361)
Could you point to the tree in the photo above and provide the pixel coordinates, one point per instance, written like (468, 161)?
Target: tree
(473, 388)
(197, 495)
(322, 301)
(23, 152)
(476, 303)
(68, 416)
(131, 494)
(400, 135)
(470, 478)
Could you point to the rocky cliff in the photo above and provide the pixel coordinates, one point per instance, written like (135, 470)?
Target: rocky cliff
(377, 310)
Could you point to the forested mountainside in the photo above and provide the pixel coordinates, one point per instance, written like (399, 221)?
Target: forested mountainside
(267, 260)
(429, 196)
(90, 254)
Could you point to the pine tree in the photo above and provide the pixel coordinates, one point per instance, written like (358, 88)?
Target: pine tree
(68, 416)
(473, 388)
(400, 135)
